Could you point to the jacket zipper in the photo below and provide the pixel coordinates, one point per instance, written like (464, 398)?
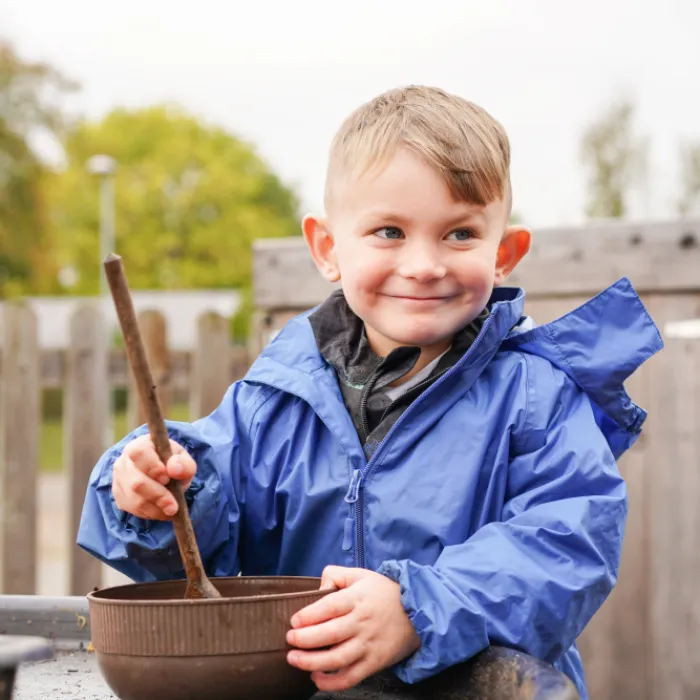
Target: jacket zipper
(412, 390)
(359, 476)
(364, 399)
(354, 496)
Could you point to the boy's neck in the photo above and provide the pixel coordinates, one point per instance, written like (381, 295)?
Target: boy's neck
(383, 346)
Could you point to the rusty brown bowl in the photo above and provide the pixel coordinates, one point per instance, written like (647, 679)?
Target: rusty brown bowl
(153, 644)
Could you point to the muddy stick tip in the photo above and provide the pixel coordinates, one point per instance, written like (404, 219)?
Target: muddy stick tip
(112, 257)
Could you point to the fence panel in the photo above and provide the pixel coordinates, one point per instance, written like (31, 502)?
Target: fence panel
(19, 443)
(154, 332)
(86, 424)
(211, 365)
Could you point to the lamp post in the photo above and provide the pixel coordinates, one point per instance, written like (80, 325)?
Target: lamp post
(104, 167)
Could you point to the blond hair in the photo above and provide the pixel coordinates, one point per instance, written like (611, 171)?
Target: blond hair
(460, 139)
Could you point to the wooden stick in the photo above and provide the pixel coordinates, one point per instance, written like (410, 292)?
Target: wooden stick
(198, 585)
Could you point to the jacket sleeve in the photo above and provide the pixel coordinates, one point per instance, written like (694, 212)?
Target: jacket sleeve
(146, 550)
(533, 580)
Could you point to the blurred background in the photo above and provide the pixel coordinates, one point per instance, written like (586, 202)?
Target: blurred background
(216, 119)
(179, 133)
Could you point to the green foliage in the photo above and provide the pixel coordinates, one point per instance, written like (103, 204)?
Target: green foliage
(21, 213)
(29, 104)
(615, 158)
(190, 201)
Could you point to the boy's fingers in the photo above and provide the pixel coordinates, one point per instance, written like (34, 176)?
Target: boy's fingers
(324, 635)
(135, 504)
(148, 511)
(119, 496)
(334, 659)
(330, 606)
(139, 479)
(153, 492)
(142, 454)
(344, 679)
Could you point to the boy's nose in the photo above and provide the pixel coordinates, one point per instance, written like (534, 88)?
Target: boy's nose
(422, 266)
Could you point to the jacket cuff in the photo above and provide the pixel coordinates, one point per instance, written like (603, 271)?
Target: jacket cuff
(105, 481)
(141, 526)
(154, 541)
(423, 663)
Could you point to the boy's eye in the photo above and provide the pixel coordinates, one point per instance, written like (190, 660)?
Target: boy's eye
(461, 235)
(389, 232)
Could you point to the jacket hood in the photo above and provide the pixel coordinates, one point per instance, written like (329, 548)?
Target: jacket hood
(599, 345)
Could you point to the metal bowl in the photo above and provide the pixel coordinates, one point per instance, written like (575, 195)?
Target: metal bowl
(151, 643)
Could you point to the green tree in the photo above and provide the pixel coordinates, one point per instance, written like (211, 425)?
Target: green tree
(190, 200)
(615, 159)
(30, 99)
(690, 179)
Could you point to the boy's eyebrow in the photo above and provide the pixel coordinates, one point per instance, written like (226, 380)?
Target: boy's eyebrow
(475, 213)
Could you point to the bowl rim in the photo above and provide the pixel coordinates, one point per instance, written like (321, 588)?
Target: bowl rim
(95, 598)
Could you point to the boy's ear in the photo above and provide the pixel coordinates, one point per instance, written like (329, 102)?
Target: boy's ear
(320, 241)
(514, 246)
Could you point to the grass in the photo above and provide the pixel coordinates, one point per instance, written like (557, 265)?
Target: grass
(51, 438)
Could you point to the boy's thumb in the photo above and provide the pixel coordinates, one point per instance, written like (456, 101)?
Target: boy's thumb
(180, 468)
(340, 577)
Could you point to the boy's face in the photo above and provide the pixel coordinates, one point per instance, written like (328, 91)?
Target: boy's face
(414, 264)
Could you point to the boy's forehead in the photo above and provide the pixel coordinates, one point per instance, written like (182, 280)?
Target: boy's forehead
(403, 186)
(360, 202)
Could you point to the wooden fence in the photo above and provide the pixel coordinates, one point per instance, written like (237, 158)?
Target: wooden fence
(644, 644)
(87, 371)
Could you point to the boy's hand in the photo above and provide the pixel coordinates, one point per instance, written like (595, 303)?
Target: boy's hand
(363, 623)
(139, 478)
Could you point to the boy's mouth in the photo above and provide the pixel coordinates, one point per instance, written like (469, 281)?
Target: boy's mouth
(420, 301)
(411, 297)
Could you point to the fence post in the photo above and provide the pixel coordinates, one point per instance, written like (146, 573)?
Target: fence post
(85, 416)
(19, 441)
(154, 333)
(211, 364)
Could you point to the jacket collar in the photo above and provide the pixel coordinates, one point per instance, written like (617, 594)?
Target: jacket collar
(342, 341)
(293, 362)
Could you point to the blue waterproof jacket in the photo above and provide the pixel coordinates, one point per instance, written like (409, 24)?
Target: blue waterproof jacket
(494, 501)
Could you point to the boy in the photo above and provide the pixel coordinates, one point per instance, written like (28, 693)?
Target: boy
(446, 465)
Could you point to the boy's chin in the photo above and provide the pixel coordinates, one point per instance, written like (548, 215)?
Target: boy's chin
(422, 339)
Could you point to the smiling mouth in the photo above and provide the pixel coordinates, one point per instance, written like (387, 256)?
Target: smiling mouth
(412, 298)
(420, 300)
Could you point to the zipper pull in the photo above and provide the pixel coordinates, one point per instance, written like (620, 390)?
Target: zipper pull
(355, 485)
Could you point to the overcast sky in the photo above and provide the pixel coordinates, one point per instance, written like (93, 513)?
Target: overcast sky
(284, 74)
